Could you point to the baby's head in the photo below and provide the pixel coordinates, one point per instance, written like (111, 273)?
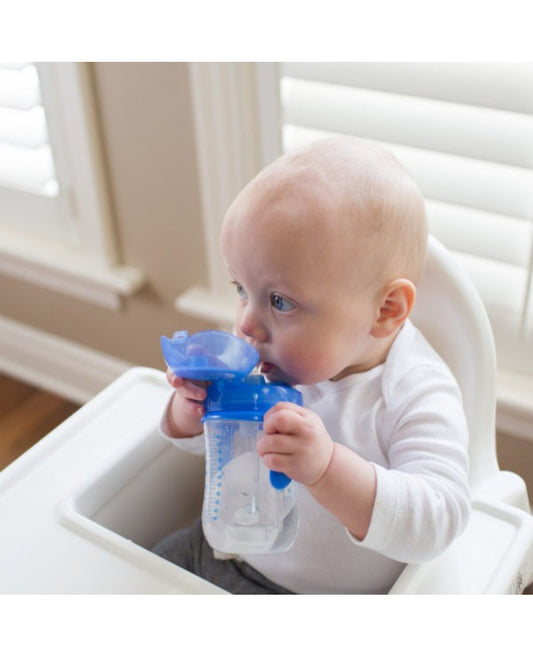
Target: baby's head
(326, 244)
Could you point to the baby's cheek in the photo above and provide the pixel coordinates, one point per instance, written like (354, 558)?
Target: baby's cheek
(312, 367)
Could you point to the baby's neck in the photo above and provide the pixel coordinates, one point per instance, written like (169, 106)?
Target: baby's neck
(375, 359)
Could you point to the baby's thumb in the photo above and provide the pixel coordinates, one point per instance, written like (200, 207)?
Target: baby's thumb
(173, 380)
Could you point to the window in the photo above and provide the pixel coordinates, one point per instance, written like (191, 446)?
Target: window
(55, 220)
(28, 184)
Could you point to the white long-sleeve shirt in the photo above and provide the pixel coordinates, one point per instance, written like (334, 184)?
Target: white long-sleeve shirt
(406, 417)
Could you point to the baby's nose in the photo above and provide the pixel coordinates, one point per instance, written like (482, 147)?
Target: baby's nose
(251, 327)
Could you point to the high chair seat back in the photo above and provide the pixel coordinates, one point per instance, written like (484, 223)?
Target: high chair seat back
(451, 315)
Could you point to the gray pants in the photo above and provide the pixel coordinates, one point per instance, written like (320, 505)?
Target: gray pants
(189, 549)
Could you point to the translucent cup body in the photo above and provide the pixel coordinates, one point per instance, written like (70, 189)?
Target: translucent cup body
(242, 512)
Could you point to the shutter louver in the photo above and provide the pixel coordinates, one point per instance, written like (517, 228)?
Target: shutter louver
(26, 161)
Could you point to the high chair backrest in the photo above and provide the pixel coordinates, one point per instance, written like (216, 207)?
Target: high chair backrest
(452, 317)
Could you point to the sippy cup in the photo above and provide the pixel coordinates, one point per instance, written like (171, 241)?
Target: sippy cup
(247, 508)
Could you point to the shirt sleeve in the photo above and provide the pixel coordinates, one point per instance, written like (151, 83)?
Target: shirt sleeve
(422, 497)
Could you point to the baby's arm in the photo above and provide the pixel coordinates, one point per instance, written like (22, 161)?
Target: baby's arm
(409, 510)
(297, 443)
(186, 408)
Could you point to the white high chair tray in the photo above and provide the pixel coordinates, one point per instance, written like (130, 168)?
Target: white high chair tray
(77, 508)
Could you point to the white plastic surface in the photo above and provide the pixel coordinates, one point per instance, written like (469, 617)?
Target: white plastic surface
(80, 509)
(493, 556)
(451, 315)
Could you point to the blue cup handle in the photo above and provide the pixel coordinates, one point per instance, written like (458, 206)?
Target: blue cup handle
(278, 480)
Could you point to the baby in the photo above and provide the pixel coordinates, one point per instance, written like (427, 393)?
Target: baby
(324, 248)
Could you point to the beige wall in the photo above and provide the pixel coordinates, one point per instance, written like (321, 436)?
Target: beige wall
(148, 140)
(516, 454)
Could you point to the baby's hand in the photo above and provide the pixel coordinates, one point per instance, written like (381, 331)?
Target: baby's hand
(296, 443)
(186, 408)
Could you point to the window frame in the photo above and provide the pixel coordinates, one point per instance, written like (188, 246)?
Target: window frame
(233, 143)
(80, 258)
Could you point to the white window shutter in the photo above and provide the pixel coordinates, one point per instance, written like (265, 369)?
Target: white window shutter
(465, 131)
(26, 161)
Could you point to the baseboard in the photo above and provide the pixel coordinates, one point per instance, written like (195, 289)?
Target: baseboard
(55, 364)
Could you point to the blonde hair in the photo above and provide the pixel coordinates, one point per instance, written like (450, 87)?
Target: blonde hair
(371, 207)
(380, 198)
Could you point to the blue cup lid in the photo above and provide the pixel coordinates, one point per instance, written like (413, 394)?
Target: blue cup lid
(208, 355)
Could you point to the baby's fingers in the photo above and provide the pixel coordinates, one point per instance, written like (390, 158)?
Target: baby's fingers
(193, 407)
(193, 391)
(271, 443)
(283, 418)
(190, 396)
(189, 388)
(174, 380)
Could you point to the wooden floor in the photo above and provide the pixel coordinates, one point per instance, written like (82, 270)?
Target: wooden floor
(26, 415)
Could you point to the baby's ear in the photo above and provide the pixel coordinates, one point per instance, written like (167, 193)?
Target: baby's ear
(397, 301)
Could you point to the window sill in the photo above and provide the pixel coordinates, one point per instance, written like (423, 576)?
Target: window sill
(203, 303)
(66, 270)
(514, 415)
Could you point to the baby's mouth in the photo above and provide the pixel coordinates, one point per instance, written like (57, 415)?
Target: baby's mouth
(265, 367)
(271, 372)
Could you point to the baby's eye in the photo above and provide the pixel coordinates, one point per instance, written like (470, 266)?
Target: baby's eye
(240, 290)
(281, 304)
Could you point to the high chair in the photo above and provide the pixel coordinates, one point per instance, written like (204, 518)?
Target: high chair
(495, 552)
(80, 510)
